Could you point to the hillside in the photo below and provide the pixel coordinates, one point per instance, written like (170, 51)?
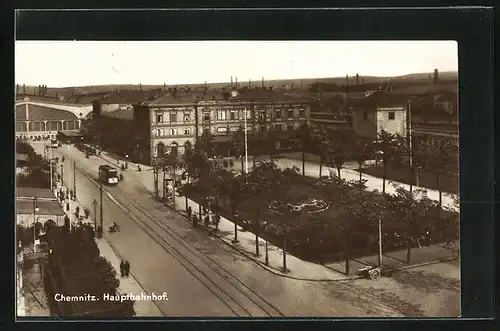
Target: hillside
(276, 83)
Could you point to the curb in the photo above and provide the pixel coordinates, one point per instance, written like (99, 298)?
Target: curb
(248, 256)
(452, 258)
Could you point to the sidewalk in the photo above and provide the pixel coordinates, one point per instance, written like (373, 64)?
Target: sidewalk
(296, 268)
(127, 284)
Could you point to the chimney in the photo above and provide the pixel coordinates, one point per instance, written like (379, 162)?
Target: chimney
(249, 84)
(236, 82)
(231, 81)
(164, 86)
(301, 84)
(436, 76)
(140, 87)
(357, 79)
(24, 89)
(262, 81)
(346, 80)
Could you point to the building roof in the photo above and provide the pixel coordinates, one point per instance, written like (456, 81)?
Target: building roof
(42, 113)
(382, 99)
(131, 96)
(123, 114)
(45, 207)
(255, 94)
(30, 192)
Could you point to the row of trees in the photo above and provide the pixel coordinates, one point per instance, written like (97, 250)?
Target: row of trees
(37, 169)
(76, 268)
(410, 217)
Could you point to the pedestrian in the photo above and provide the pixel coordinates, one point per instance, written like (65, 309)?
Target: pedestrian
(122, 268)
(195, 221)
(189, 211)
(127, 268)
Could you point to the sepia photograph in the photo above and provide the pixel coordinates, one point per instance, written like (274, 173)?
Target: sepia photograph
(235, 178)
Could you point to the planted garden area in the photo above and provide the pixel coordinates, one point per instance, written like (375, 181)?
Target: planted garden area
(320, 220)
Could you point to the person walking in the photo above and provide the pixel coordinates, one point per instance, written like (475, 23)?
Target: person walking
(189, 211)
(127, 268)
(122, 268)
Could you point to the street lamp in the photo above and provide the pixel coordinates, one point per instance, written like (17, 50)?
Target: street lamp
(94, 203)
(35, 209)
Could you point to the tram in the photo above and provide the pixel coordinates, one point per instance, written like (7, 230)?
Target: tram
(108, 175)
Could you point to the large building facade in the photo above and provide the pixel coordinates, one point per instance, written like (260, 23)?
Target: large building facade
(40, 122)
(175, 122)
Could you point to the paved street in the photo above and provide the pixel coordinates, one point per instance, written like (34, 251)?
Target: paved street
(197, 271)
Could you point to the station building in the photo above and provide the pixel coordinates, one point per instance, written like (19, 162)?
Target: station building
(43, 122)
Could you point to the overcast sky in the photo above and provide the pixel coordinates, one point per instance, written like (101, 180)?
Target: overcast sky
(81, 63)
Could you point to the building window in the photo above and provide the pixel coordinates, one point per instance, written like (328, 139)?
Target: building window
(221, 115)
(234, 128)
(262, 115)
(365, 115)
(302, 113)
(187, 117)
(159, 118)
(234, 115)
(187, 131)
(290, 113)
(392, 115)
(173, 132)
(249, 114)
(221, 129)
(206, 116)
(173, 117)
(278, 114)
(159, 132)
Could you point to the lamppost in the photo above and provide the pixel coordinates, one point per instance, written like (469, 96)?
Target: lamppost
(62, 174)
(35, 209)
(94, 203)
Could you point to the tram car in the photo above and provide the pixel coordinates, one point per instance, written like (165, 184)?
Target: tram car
(108, 175)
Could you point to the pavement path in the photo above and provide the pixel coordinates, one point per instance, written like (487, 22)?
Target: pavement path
(143, 308)
(156, 271)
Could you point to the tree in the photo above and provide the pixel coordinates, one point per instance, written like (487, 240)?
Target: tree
(206, 144)
(339, 150)
(302, 139)
(362, 150)
(414, 208)
(388, 146)
(238, 144)
(434, 155)
(321, 140)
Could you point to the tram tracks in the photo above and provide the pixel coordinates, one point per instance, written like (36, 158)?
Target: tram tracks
(232, 292)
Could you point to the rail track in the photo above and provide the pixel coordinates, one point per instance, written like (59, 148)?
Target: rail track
(237, 286)
(233, 293)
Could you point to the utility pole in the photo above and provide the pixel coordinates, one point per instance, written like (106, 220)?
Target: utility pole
(380, 242)
(94, 203)
(246, 142)
(50, 170)
(409, 144)
(100, 206)
(74, 179)
(62, 173)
